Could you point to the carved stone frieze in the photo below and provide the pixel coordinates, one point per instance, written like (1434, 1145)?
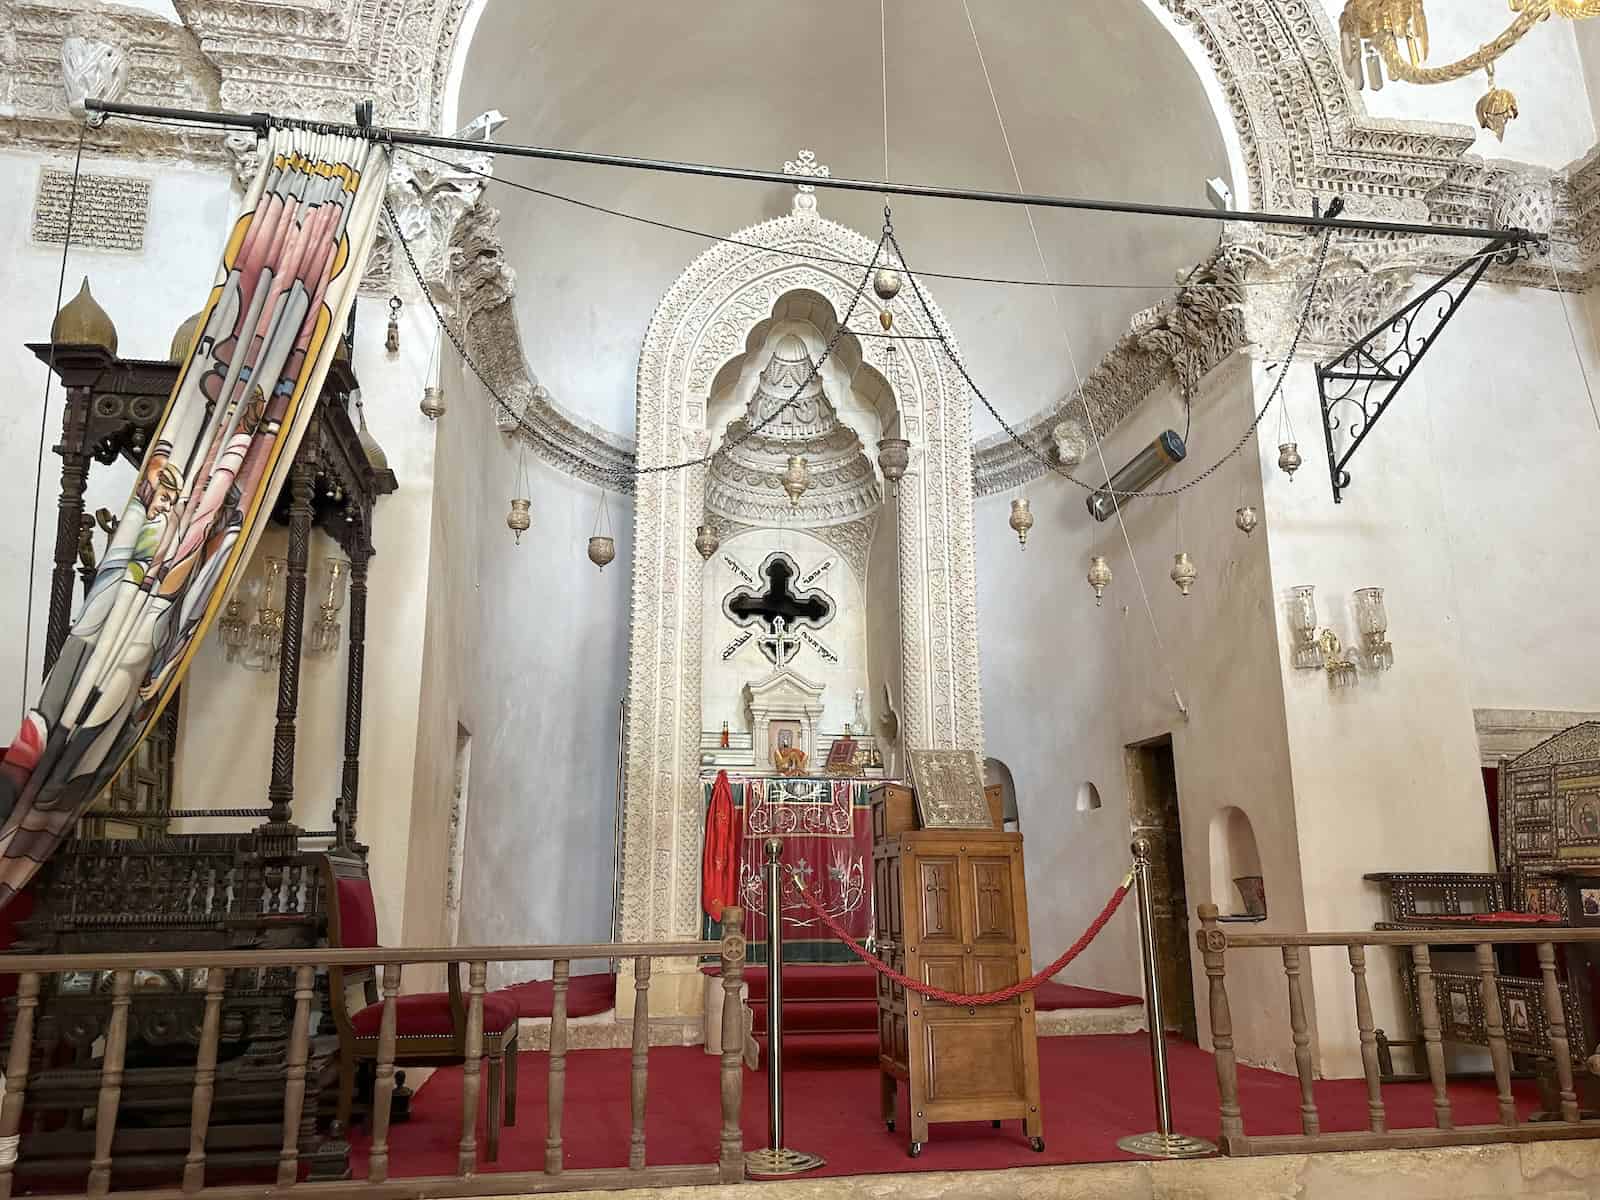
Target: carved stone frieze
(98, 47)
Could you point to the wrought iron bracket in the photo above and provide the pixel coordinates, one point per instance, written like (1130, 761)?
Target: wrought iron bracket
(1356, 387)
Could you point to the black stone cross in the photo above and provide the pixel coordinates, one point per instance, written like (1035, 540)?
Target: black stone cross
(780, 610)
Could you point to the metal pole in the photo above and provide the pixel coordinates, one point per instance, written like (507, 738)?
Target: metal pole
(776, 1161)
(1163, 1143)
(262, 121)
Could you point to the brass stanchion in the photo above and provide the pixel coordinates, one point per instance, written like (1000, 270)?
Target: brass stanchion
(1163, 1143)
(776, 1160)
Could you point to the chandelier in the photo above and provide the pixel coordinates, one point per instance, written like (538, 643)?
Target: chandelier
(1371, 33)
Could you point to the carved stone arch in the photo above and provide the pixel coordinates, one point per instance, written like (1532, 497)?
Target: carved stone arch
(702, 322)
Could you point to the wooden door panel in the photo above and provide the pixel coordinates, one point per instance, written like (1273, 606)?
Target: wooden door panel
(944, 971)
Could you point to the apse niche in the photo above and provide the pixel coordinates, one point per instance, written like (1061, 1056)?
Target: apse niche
(1237, 887)
(789, 594)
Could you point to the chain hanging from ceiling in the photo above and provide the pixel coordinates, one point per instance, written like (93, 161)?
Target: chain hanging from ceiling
(1371, 31)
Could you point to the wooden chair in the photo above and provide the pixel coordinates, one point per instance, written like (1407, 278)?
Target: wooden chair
(430, 1027)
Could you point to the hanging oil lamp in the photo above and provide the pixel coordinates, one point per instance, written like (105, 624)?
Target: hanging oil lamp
(1099, 577)
(433, 403)
(1183, 571)
(706, 540)
(391, 342)
(1289, 459)
(1246, 519)
(796, 478)
(602, 546)
(1021, 520)
(886, 286)
(520, 517)
(894, 455)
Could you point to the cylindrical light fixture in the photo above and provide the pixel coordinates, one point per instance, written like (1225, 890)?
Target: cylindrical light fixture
(1141, 471)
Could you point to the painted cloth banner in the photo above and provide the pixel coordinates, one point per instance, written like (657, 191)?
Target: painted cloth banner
(216, 463)
(826, 827)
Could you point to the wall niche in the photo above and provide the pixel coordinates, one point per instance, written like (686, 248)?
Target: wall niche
(1237, 886)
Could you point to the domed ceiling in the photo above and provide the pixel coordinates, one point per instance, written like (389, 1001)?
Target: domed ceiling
(1098, 101)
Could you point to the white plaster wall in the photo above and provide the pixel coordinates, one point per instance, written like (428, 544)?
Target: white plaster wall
(1067, 686)
(548, 669)
(1556, 123)
(723, 679)
(1385, 773)
(1513, 444)
(1586, 34)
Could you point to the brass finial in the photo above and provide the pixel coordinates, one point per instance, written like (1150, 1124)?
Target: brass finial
(82, 322)
(183, 340)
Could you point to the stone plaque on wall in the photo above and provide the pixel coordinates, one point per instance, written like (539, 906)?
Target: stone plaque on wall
(109, 210)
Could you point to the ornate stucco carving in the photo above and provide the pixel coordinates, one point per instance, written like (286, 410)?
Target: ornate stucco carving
(701, 323)
(164, 65)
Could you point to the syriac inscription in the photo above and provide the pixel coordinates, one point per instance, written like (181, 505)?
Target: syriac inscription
(108, 211)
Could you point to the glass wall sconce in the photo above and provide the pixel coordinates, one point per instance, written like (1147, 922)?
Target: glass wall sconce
(1303, 625)
(265, 637)
(323, 637)
(233, 629)
(1373, 622)
(1336, 660)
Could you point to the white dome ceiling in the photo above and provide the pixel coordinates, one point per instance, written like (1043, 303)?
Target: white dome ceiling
(1098, 100)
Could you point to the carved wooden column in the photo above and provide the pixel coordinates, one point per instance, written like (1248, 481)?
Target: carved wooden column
(280, 791)
(350, 785)
(69, 519)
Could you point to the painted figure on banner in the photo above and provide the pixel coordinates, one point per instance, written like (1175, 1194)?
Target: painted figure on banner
(787, 758)
(242, 401)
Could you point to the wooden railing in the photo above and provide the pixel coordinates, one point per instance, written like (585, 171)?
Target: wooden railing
(1215, 943)
(32, 971)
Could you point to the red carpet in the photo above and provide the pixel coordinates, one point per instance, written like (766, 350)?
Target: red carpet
(1095, 1090)
(830, 1010)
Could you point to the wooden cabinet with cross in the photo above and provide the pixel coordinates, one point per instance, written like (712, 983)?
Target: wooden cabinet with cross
(951, 910)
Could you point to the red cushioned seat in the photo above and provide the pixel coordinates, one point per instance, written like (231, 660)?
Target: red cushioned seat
(428, 1013)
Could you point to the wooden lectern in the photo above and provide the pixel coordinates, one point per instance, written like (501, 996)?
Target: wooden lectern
(952, 911)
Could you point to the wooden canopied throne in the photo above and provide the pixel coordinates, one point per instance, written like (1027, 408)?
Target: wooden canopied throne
(125, 882)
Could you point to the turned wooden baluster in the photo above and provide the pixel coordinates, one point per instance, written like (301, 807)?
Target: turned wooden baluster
(733, 952)
(1300, 1032)
(1555, 1019)
(1213, 945)
(1433, 1045)
(556, 1093)
(294, 1077)
(205, 1078)
(383, 1087)
(641, 1058)
(1376, 1120)
(17, 1077)
(105, 1115)
(472, 1071)
(1494, 1026)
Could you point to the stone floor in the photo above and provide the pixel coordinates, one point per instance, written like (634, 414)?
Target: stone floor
(1547, 1170)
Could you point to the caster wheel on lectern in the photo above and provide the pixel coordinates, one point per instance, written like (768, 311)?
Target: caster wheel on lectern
(1038, 1144)
(889, 1125)
(996, 1124)
(916, 1149)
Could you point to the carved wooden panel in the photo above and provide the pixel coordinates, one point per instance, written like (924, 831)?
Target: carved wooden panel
(936, 900)
(990, 890)
(969, 1058)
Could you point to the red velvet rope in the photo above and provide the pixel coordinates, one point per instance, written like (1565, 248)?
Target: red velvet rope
(962, 998)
